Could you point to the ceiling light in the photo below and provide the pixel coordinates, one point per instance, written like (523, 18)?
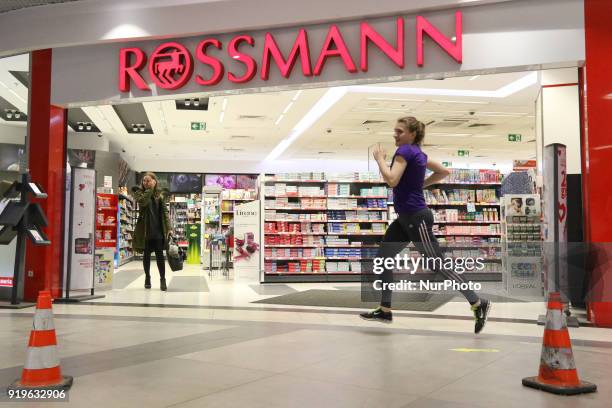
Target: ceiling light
(17, 115)
(80, 126)
(196, 102)
(187, 102)
(279, 119)
(474, 77)
(224, 104)
(329, 99)
(297, 95)
(9, 115)
(142, 129)
(88, 126)
(221, 116)
(288, 107)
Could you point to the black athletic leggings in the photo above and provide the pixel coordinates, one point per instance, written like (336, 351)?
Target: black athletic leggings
(415, 227)
(157, 246)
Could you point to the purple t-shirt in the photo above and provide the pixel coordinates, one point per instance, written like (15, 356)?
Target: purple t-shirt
(408, 194)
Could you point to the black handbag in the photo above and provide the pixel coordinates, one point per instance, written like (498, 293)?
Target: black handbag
(176, 255)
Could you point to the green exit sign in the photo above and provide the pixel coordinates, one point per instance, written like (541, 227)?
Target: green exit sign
(198, 125)
(514, 137)
(447, 164)
(463, 153)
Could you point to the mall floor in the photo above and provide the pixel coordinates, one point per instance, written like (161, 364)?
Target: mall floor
(213, 347)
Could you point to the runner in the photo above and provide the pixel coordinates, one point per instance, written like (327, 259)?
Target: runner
(406, 176)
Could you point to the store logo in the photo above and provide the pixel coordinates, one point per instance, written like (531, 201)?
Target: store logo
(171, 65)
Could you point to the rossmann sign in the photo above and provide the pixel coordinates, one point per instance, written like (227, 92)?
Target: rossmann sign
(241, 58)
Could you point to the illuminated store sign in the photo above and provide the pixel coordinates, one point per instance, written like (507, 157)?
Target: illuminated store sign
(171, 65)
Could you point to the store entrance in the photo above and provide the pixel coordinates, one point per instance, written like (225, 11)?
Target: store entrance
(280, 187)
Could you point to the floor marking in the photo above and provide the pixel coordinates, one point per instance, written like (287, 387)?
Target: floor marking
(471, 350)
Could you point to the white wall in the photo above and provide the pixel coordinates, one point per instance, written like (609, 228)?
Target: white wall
(87, 141)
(90, 22)
(12, 134)
(15, 134)
(561, 122)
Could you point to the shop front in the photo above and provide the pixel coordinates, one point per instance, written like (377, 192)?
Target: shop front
(360, 55)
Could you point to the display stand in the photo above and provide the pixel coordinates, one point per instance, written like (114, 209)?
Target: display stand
(555, 214)
(21, 219)
(81, 247)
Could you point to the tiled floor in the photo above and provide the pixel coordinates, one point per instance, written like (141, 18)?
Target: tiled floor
(224, 351)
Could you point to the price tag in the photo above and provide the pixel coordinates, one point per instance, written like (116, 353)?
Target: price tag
(471, 207)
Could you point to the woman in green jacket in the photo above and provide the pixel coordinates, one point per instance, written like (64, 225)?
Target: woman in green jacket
(152, 228)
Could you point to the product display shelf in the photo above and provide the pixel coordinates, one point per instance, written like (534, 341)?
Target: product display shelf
(106, 220)
(127, 223)
(230, 198)
(348, 206)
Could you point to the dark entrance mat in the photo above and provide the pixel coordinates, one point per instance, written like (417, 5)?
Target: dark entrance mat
(123, 279)
(272, 289)
(423, 302)
(188, 284)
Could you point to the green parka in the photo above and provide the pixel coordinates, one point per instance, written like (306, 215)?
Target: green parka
(143, 198)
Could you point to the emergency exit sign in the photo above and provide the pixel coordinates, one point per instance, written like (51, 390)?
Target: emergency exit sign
(198, 125)
(447, 164)
(514, 137)
(463, 153)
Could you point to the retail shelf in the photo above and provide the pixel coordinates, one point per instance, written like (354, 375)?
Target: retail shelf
(294, 181)
(356, 233)
(350, 246)
(358, 209)
(360, 221)
(343, 273)
(295, 233)
(438, 234)
(357, 196)
(296, 196)
(358, 181)
(107, 208)
(349, 258)
(295, 273)
(227, 212)
(467, 222)
(294, 258)
(300, 221)
(293, 246)
(296, 209)
(478, 204)
(106, 225)
(238, 199)
(226, 223)
(467, 183)
(106, 241)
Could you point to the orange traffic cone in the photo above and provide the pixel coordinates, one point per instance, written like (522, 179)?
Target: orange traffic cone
(557, 367)
(42, 368)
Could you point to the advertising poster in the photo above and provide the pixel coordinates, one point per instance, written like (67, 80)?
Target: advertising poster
(103, 268)
(522, 205)
(247, 228)
(7, 263)
(193, 240)
(82, 229)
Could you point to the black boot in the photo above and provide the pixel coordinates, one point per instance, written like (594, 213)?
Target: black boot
(147, 281)
(162, 284)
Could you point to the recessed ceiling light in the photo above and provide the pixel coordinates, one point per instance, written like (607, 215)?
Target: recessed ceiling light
(187, 102)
